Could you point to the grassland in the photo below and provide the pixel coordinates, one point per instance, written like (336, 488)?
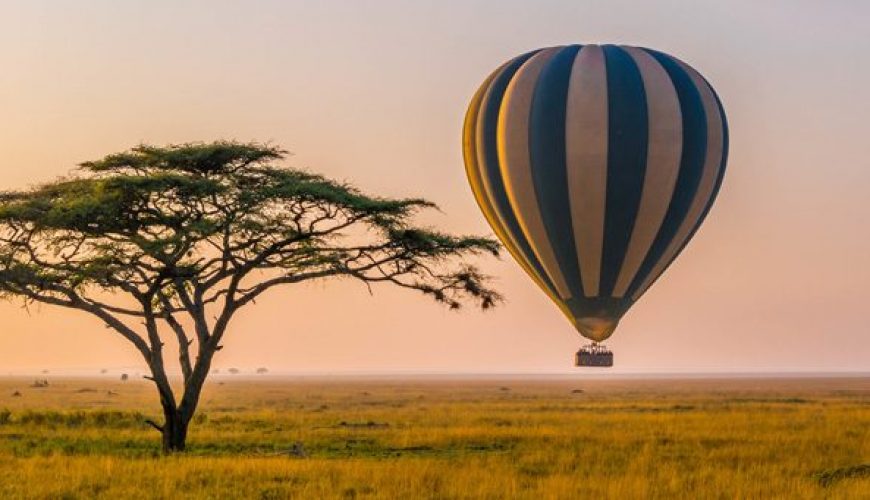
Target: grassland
(508, 438)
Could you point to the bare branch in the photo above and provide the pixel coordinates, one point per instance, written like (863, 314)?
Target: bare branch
(154, 424)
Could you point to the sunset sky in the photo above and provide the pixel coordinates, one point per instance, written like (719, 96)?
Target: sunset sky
(375, 92)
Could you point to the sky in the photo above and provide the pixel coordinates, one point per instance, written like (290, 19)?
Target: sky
(375, 93)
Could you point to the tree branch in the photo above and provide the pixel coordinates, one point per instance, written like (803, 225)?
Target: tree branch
(155, 425)
(183, 341)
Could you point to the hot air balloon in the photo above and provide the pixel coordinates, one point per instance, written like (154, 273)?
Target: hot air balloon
(595, 165)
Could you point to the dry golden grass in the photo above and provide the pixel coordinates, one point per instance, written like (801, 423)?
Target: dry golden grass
(509, 438)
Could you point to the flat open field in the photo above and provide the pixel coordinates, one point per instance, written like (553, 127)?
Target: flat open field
(447, 438)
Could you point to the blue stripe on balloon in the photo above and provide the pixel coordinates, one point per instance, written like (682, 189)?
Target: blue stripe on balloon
(691, 163)
(626, 159)
(725, 140)
(489, 110)
(721, 174)
(547, 157)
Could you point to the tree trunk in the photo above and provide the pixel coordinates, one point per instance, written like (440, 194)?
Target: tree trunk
(174, 430)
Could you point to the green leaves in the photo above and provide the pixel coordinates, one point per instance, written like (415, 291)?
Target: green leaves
(208, 218)
(102, 205)
(195, 158)
(437, 243)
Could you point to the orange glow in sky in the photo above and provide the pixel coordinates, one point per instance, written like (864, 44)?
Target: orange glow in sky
(375, 93)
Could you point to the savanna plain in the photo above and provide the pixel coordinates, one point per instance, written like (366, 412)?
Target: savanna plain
(499, 437)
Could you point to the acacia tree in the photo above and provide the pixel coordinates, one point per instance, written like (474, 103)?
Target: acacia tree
(168, 243)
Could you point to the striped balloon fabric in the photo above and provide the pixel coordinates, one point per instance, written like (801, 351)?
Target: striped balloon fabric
(595, 165)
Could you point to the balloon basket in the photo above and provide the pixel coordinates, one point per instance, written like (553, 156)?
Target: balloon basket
(595, 355)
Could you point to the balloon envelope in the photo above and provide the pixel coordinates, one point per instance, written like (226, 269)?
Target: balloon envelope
(595, 165)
